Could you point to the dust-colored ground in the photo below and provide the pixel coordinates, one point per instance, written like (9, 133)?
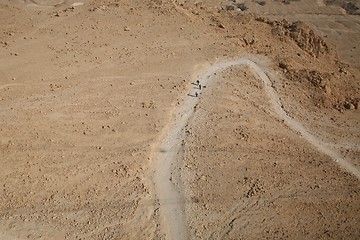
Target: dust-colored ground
(89, 90)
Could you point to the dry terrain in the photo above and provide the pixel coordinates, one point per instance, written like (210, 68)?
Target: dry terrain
(102, 135)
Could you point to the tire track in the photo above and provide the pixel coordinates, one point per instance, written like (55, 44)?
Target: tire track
(10, 85)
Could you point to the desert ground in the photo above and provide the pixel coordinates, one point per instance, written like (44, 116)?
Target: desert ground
(105, 132)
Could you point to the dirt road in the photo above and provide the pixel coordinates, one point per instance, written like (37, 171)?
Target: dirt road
(167, 177)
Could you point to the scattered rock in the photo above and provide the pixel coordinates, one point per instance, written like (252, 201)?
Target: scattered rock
(100, 8)
(351, 8)
(302, 34)
(255, 188)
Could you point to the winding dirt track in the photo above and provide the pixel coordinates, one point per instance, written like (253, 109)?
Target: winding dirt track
(167, 179)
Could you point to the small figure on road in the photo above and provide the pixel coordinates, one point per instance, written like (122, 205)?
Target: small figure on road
(196, 94)
(197, 82)
(199, 86)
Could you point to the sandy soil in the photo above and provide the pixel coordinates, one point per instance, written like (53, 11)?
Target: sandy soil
(92, 101)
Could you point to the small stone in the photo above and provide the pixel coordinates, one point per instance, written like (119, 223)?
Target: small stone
(358, 105)
(283, 65)
(349, 106)
(221, 26)
(242, 7)
(195, 199)
(229, 8)
(127, 29)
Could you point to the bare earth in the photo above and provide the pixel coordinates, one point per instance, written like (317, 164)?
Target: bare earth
(102, 135)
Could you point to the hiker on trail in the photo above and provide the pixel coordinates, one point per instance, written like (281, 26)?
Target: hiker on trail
(196, 94)
(199, 86)
(197, 82)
